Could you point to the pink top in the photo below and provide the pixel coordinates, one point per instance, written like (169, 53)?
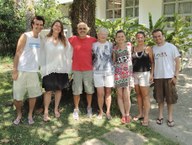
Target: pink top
(82, 53)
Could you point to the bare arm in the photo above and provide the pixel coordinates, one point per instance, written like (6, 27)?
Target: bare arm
(177, 67)
(20, 46)
(151, 57)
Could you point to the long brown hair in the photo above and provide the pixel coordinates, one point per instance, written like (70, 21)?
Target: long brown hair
(61, 34)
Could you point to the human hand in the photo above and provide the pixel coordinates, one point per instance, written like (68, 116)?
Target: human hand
(15, 74)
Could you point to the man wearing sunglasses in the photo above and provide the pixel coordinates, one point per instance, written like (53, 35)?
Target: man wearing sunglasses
(82, 67)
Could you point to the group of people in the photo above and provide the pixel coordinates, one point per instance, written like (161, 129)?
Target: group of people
(94, 63)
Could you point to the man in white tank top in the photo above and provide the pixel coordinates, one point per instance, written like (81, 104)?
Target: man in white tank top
(25, 69)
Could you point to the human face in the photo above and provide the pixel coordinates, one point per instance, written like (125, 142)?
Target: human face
(82, 30)
(120, 38)
(102, 37)
(158, 38)
(140, 38)
(56, 28)
(37, 26)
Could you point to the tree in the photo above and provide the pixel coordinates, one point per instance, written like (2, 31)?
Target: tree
(83, 11)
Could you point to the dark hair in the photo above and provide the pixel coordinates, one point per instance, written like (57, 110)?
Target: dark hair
(119, 31)
(40, 18)
(158, 30)
(140, 32)
(61, 34)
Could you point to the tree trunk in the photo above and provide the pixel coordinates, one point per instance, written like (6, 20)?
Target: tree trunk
(30, 13)
(83, 11)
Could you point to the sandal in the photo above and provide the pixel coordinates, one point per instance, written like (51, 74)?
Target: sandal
(159, 121)
(31, 121)
(57, 114)
(136, 118)
(46, 118)
(145, 123)
(16, 121)
(123, 120)
(108, 116)
(171, 123)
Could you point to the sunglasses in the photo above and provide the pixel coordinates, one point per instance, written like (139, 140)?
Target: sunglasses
(82, 28)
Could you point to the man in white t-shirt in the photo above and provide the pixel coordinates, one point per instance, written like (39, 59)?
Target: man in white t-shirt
(25, 69)
(166, 70)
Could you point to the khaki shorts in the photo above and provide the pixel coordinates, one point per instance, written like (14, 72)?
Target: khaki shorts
(165, 90)
(26, 82)
(80, 79)
(141, 78)
(103, 81)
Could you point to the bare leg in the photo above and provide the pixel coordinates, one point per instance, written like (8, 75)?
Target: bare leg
(139, 101)
(18, 105)
(76, 101)
(47, 100)
(32, 102)
(127, 101)
(89, 100)
(170, 112)
(57, 101)
(108, 100)
(100, 97)
(120, 101)
(146, 103)
(160, 109)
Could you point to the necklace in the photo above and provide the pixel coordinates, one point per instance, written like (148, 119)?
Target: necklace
(139, 56)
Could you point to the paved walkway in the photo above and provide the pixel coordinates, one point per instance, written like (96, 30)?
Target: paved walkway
(181, 132)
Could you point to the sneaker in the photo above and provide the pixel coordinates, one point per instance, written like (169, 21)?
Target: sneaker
(89, 112)
(76, 114)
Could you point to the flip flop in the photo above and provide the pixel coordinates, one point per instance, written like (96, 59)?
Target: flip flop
(146, 124)
(159, 121)
(16, 121)
(57, 115)
(171, 123)
(31, 121)
(46, 118)
(136, 118)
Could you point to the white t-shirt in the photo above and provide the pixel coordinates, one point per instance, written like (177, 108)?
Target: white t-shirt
(29, 59)
(55, 58)
(102, 63)
(164, 57)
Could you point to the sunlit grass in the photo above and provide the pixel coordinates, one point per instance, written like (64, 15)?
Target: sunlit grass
(64, 131)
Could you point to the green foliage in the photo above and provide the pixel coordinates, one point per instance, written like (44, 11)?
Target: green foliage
(130, 27)
(11, 26)
(180, 35)
(51, 11)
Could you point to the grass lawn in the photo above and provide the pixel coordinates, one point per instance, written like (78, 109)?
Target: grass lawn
(64, 131)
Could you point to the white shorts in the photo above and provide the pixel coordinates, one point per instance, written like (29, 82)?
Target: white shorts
(142, 78)
(26, 82)
(103, 81)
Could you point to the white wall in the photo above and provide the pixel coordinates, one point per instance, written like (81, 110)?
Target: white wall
(152, 6)
(101, 9)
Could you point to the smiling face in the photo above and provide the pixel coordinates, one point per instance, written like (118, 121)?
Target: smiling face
(82, 29)
(158, 38)
(57, 28)
(140, 38)
(37, 25)
(120, 38)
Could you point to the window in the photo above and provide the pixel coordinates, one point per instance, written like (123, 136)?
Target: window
(130, 8)
(181, 7)
(113, 9)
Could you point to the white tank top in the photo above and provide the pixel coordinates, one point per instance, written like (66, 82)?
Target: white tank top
(29, 60)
